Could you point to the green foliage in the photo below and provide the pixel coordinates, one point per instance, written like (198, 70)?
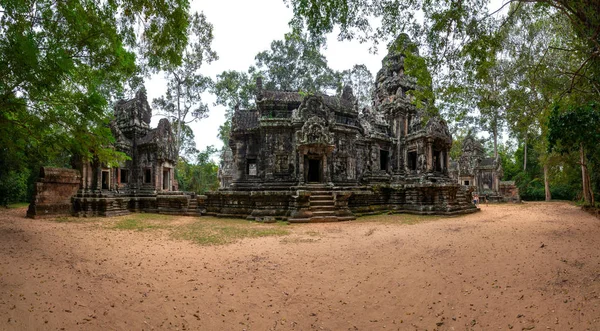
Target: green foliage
(362, 83)
(61, 66)
(61, 63)
(294, 64)
(575, 126)
(13, 186)
(201, 176)
(182, 103)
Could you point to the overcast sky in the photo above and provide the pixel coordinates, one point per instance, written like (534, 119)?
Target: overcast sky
(243, 28)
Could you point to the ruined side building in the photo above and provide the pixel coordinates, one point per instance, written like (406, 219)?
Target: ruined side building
(316, 158)
(144, 182)
(474, 169)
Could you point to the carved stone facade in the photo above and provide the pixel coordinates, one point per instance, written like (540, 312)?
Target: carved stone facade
(317, 158)
(145, 182)
(482, 173)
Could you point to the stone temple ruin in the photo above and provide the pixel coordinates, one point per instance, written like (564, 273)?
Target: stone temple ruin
(316, 158)
(145, 182)
(301, 158)
(484, 174)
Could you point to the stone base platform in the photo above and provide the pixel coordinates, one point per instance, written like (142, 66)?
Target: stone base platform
(108, 203)
(327, 203)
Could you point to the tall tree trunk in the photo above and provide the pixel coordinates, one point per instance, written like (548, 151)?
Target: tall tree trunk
(547, 183)
(495, 142)
(525, 154)
(588, 195)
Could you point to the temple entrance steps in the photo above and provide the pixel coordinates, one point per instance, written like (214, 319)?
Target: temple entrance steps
(321, 206)
(192, 205)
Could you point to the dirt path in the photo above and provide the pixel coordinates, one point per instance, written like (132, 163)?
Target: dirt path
(521, 267)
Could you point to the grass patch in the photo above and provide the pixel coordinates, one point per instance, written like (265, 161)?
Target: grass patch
(210, 231)
(408, 219)
(136, 224)
(144, 221)
(18, 205)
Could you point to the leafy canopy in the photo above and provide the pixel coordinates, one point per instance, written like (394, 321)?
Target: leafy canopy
(61, 64)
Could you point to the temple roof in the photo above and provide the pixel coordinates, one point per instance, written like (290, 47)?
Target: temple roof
(339, 104)
(245, 119)
(285, 96)
(487, 161)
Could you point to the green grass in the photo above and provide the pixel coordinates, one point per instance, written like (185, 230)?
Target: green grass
(144, 221)
(18, 205)
(408, 219)
(211, 231)
(136, 224)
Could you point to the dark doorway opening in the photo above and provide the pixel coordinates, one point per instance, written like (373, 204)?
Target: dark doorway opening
(412, 161)
(466, 183)
(105, 180)
(438, 160)
(314, 171)
(383, 160)
(148, 176)
(124, 176)
(166, 179)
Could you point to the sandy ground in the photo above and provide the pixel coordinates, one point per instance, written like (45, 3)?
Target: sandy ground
(534, 266)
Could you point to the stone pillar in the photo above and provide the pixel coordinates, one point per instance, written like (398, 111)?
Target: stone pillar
(326, 174)
(429, 154)
(301, 167)
(446, 162)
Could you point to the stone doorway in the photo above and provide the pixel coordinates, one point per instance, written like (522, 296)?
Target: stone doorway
(166, 179)
(313, 172)
(105, 184)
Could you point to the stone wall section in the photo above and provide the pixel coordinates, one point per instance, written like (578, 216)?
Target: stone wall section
(53, 192)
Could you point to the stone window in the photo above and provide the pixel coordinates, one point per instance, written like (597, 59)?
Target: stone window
(124, 176)
(383, 160)
(251, 168)
(148, 176)
(466, 183)
(412, 161)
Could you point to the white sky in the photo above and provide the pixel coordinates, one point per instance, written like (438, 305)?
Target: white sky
(242, 29)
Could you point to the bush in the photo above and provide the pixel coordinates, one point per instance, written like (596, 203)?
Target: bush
(563, 192)
(13, 187)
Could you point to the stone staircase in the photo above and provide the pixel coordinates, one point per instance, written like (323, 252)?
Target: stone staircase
(322, 206)
(192, 206)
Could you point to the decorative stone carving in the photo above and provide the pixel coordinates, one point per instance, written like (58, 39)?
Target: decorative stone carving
(314, 133)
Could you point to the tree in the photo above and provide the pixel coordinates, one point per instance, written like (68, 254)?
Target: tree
(200, 176)
(62, 62)
(296, 64)
(182, 102)
(362, 83)
(234, 89)
(576, 128)
(452, 29)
